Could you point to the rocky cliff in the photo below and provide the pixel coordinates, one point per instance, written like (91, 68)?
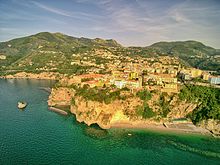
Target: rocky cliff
(117, 112)
(92, 112)
(211, 125)
(60, 96)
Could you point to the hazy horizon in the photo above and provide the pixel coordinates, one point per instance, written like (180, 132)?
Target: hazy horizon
(131, 23)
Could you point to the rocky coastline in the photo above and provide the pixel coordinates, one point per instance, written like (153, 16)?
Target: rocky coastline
(40, 76)
(112, 115)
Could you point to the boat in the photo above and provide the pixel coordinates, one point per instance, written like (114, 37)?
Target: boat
(22, 104)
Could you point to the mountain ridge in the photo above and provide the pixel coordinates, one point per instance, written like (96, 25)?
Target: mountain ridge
(192, 52)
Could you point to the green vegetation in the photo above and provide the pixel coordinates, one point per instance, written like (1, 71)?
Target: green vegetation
(34, 49)
(164, 105)
(145, 111)
(73, 102)
(10, 59)
(198, 79)
(100, 60)
(192, 52)
(208, 100)
(102, 95)
(144, 95)
(50, 52)
(86, 79)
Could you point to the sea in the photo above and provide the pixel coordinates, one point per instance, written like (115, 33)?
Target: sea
(38, 136)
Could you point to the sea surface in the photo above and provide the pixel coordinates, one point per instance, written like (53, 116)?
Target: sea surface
(39, 136)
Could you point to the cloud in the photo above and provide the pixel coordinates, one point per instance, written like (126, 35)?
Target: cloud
(137, 22)
(51, 9)
(73, 14)
(147, 24)
(178, 16)
(97, 2)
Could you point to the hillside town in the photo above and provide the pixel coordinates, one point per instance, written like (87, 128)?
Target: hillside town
(93, 99)
(165, 74)
(113, 85)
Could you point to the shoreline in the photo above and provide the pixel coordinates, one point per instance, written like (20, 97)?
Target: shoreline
(57, 110)
(37, 76)
(33, 78)
(161, 128)
(142, 125)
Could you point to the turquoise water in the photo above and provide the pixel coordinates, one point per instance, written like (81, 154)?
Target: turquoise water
(39, 136)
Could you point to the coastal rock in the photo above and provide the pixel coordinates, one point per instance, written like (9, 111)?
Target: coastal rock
(117, 113)
(212, 125)
(180, 109)
(60, 96)
(42, 75)
(105, 115)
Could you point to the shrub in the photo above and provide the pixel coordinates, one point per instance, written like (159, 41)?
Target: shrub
(164, 106)
(144, 95)
(145, 111)
(73, 102)
(98, 94)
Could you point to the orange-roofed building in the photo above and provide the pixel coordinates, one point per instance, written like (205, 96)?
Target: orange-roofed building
(83, 76)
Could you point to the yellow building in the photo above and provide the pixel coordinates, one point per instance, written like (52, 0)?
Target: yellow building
(133, 75)
(205, 76)
(170, 88)
(133, 84)
(116, 73)
(166, 78)
(196, 73)
(158, 71)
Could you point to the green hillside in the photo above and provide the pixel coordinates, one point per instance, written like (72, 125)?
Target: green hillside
(194, 53)
(58, 52)
(51, 41)
(37, 51)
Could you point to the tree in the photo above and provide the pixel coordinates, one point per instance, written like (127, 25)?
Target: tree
(208, 99)
(144, 95)
(145, 111)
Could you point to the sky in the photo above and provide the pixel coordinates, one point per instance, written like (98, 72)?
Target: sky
(130, 22)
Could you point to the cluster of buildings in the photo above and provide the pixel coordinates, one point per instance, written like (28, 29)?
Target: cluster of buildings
(135, 74)
(190, 73)
(159, 73)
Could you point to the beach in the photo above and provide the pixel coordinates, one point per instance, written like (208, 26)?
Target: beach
(170, 127)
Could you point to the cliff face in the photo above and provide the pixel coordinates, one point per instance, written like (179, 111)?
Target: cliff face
(211, 125)
(117, 112)
(60, 96)
(92, 112)
(180, 109)
(122, 112)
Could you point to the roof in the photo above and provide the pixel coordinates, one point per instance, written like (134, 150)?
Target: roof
(91, 76)
(91, 82)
